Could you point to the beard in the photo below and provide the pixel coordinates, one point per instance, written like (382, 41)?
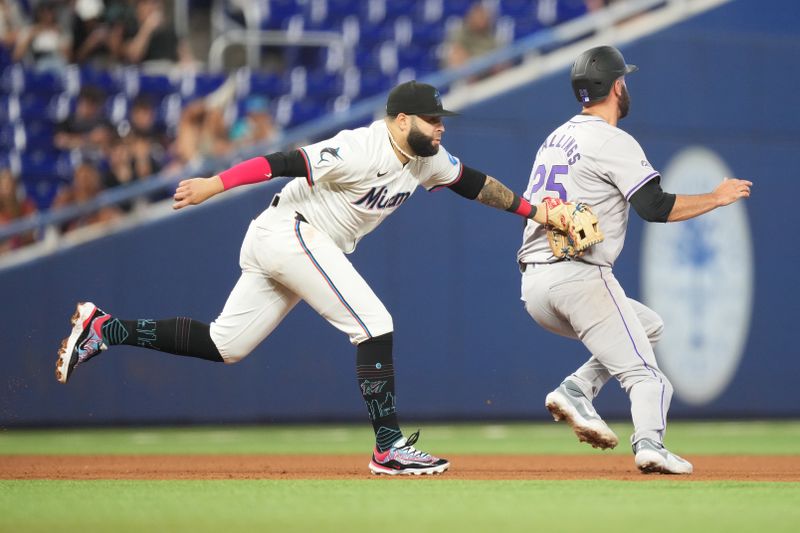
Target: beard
(421, 144)
(624, 104)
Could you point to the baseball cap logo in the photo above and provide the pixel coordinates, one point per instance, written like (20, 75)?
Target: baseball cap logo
(584, 94)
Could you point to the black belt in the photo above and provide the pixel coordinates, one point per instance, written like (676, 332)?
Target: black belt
(524, 266)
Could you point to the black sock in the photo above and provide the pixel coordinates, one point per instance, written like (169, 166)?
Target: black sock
(180, 336)
(375, 373)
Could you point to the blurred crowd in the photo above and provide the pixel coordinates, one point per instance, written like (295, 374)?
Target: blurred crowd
(50, 36)
(110, 139)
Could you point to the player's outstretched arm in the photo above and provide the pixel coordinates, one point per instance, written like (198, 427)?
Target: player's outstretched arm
(197, 190)
(552, 212)
(727, 192)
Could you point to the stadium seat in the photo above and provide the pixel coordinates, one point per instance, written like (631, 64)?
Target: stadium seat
(526, 26)
(517, 9)
(200, 84)
(279, 11)
(398, 8)
(456, 8)
(16, 79)
(107, 80)
(320, 84)
(267, 84)
(304, 111)
(570, 9)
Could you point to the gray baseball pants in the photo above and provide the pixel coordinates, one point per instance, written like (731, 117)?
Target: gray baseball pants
(584, 301)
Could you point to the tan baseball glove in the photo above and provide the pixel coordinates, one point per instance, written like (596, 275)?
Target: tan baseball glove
(571, 228)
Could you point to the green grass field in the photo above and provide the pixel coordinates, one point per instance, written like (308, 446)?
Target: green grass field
(408, 505)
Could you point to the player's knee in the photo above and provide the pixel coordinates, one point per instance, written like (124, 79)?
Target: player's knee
(636, 376)
(233, 352)
(231, 357)
(231, 343)
(668, 389)
(232, 349)
(656, 330)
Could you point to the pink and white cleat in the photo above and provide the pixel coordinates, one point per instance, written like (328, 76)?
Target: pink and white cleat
(85, 341)
(403, 459)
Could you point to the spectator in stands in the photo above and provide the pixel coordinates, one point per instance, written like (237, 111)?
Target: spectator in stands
(120, 166)
(151, 41)
(203, 129)
(13, 205)
(473, 38)
(12, 20)
(43, 43)
(75, 130)
(91, 34)
(86, 185)
(256, 126)
(144, 125)
(141, 152)
(202, 133)
(129, 161)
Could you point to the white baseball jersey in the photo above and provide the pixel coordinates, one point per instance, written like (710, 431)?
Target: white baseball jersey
(586, 159)
(355, 181)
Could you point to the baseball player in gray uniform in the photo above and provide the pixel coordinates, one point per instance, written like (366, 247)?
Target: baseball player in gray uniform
(589, 159)
(295, 250)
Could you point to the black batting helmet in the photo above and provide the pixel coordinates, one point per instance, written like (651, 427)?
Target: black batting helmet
(594, 72)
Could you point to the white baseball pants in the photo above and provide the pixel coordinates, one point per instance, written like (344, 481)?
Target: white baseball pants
(583, 301)
(283, 261)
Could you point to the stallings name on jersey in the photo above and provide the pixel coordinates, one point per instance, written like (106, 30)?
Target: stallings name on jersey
(566, 143)
(376, 198)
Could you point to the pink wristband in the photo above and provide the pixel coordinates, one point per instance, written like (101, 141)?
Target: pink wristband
(253, 170)
(524, 208)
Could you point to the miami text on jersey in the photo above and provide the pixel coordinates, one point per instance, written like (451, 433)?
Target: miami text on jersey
(376, 198)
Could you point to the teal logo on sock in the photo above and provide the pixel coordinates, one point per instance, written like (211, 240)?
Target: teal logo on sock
(146, 333)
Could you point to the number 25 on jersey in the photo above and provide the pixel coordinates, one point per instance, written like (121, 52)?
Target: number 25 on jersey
(551, 183)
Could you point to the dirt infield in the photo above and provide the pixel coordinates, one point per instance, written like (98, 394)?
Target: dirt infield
(614, 467)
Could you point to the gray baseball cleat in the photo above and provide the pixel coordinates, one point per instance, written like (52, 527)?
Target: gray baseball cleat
(653, 458)
(568, 403)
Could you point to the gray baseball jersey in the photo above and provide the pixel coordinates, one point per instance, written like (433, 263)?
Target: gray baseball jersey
(586, 159)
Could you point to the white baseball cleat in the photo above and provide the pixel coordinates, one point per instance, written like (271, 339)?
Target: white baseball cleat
(653, 458)
(568, 403)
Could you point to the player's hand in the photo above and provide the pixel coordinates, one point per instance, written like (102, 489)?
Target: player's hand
(196, 191)
(732, 189)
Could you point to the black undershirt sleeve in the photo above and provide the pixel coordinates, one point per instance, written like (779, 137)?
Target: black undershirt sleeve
(291, 164)
(652, 203)
(470, 184)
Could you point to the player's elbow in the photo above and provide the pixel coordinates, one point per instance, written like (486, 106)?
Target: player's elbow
(649, 217)
(654, 211)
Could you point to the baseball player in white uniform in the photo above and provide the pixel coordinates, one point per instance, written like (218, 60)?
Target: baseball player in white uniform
(295, 250)
(589, 159)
